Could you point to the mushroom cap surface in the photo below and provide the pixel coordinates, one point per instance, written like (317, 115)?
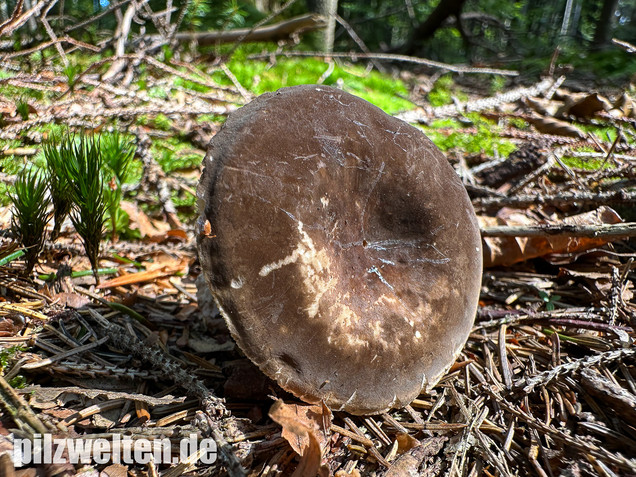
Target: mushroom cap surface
(341, 247)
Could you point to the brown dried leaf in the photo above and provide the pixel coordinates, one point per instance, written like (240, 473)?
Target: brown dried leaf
(150, 229)
(624, 106)
(583, 106)
(542, 106)
(301, 428)
(406, 442)
(10, 325)
(555, 127)
(509, 250)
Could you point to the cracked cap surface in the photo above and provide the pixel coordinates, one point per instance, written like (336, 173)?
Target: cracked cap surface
(341, 247)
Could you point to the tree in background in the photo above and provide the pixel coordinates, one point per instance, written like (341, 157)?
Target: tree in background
(605, 25)
(454, 31)
(328, 9)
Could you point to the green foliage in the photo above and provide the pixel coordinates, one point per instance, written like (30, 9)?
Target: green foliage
(58, 186)
(22, 108)
(168, 52)
(117, 152)
(549, 299)
(80, 164)
(72, 72)
(30, 214)
(221, 14)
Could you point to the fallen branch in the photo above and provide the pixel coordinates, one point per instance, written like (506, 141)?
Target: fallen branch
(521, 201)
(277, 31)
(391, 57)
(614, 231)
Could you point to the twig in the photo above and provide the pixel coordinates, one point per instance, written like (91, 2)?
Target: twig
(65, 354)
(273, 32)
(42, 46)
(354, 36)
(625, 45)
(613, 231)
(572, 441)
(19, 409)
(18, 19)
(259, 24)
(390, 57)
(580, 197)
(94, 18)
(527, 385)
(481, 104)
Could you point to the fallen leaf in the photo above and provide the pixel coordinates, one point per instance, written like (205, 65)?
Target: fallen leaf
(546, 125)
(542, 106)
(583, 105)
(150, 229)
(72, 300)
(508, 250)
(301, 428)
(406, 442)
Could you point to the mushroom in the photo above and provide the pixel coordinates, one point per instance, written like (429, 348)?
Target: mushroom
(341, 247)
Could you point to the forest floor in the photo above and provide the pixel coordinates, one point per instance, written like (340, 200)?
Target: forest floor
(546, 384)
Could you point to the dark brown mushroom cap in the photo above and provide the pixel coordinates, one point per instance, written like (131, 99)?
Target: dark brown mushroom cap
(341, 246)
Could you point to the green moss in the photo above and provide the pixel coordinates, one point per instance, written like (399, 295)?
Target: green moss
(210, 118)
(4, 194)
(173, 154)
(191, 85)
(162, 122)
(260, 77)
(587, 163)
(443, 92)
(487, 140)
(186, 206)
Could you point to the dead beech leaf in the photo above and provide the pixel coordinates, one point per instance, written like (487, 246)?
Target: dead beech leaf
(542, 106)
(151, 229)
(583, 105)
(508, 250)
(555, 127)
(301, 428)
(624, 106)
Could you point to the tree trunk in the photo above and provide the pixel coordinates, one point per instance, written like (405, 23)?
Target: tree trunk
(426, 30)
(328, 10)
(567, 17)
(605, 25)
(31, 23)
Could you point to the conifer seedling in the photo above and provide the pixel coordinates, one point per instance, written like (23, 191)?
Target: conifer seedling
(78, 162)
(30, 215)
(58, 186)
(117, 153)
